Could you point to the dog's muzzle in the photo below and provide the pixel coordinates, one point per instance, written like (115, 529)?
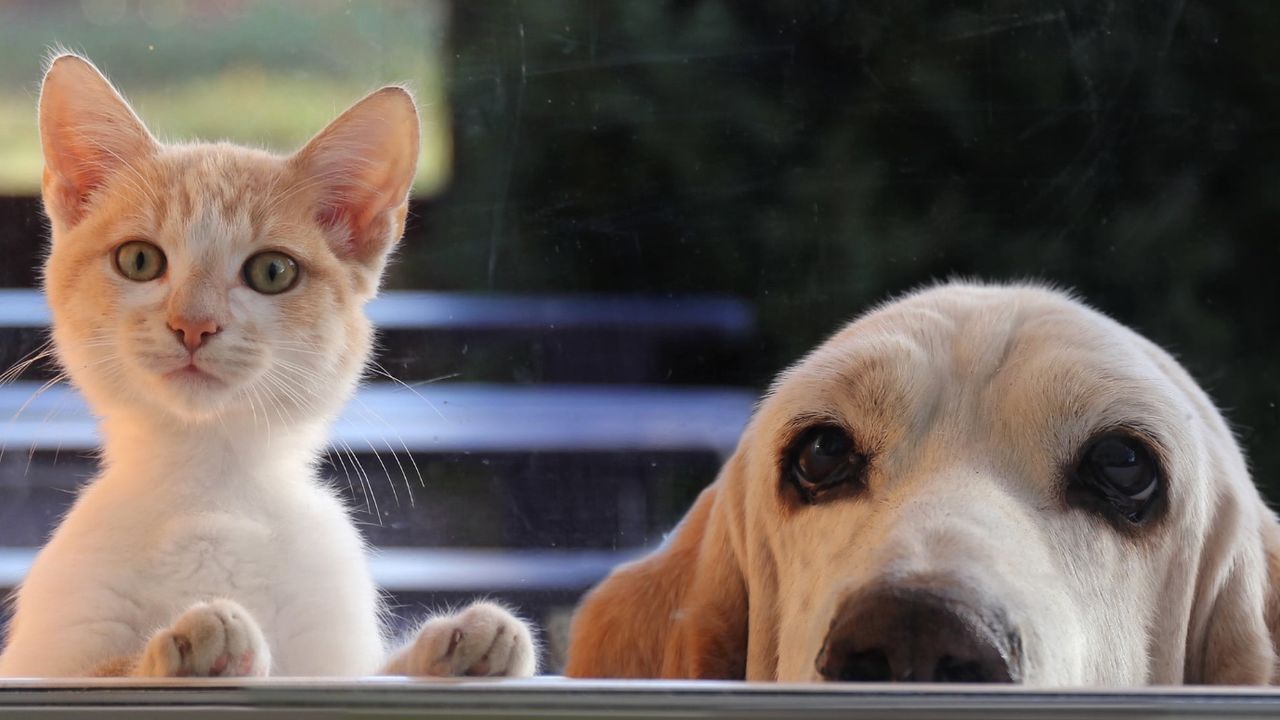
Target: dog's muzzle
(903, 633)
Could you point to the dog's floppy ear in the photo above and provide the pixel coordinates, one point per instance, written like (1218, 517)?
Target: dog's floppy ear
(1236, 622)
(681, 612)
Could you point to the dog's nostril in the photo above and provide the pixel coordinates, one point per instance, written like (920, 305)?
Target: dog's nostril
(867, 666)
(954, 670)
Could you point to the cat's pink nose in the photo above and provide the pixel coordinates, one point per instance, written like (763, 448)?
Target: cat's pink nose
(192, 332)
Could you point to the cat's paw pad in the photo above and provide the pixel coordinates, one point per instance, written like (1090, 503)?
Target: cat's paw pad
(212, 639)
(485, 639)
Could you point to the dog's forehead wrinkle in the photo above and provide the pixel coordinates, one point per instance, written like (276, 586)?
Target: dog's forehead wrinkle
(980, 341)
(930, 359)
(866, 382)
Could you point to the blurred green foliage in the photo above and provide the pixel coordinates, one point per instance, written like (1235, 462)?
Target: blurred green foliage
(264, 73)
(817, 157)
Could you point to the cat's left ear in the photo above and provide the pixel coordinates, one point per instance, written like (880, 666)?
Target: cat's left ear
(361, 168)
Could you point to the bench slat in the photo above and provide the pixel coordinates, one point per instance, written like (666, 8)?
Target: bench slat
(428, 310)
(401, 569)
(455, 417)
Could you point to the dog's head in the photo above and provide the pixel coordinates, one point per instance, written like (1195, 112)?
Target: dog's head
(968, 484)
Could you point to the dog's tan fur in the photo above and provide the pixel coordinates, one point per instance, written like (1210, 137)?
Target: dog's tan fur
(970, 401)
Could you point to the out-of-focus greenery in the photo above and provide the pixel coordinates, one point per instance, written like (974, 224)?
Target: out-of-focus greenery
(817, 157)
(265, 73)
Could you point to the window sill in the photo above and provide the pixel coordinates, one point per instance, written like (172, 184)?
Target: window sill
(558, 697)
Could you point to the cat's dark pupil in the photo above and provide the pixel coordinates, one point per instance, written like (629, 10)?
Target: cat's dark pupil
(273, 270)
(139, 261)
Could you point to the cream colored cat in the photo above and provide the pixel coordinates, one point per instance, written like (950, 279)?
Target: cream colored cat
(207, 300)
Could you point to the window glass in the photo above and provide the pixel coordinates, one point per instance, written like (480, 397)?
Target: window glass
(629, 216)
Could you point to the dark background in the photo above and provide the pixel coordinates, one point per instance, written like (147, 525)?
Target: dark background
(817, 157)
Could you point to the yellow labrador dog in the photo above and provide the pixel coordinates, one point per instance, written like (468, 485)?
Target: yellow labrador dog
(972, 483)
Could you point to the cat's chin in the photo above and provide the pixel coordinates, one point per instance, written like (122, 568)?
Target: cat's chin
(194, 376)
(194, 394)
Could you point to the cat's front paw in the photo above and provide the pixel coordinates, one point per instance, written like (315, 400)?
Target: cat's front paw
(212, 639)
(485, 639)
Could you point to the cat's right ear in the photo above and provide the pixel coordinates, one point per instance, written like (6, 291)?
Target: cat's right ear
(88, 133)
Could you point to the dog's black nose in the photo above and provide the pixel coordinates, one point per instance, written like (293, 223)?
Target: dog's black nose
(912, 635)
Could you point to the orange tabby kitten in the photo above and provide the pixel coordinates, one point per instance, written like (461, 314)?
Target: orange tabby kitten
(207, 300)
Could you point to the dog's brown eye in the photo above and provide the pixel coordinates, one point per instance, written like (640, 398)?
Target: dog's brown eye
(822, 458)
(1120, 470)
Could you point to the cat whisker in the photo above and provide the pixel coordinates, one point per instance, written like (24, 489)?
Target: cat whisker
(265, 398)
(282, 386)
(44, 350)
(387, 374)
(275, 402)
(37, 393)
(251, 394)
(292, 391)
(340, 449)
(306, 351)
(395, 456)
(366, 482)
(299, 344)
(297, 372)
(368, 412)
(377, 455)
(436, 379)
(57, 450)
(103, 360)
(338, 455)
(31, 454)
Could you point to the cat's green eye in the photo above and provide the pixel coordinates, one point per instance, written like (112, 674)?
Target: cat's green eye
(271, 272)
(140, 261)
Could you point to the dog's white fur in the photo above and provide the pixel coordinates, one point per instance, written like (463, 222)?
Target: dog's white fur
(974, 399)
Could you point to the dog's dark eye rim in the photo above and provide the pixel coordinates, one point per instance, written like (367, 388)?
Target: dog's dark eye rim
(1087, 485)
(843, 474)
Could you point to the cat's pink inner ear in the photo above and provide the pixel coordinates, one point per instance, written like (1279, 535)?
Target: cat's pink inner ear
(361, 168)
(87, 132)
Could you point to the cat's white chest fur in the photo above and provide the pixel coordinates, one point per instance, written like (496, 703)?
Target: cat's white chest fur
(285, 551)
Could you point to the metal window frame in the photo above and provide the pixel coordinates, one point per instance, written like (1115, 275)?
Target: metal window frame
(557, 697)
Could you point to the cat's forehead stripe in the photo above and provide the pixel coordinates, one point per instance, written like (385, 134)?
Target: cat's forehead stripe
(208, 195)
(201, 177)
(209, 230)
